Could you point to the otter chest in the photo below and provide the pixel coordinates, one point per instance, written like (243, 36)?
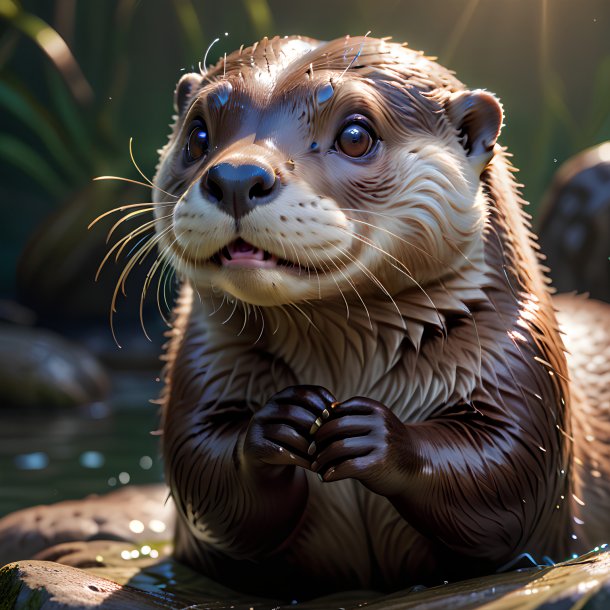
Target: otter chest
(374, 355)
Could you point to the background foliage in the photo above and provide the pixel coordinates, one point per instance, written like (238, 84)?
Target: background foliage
(78, 78)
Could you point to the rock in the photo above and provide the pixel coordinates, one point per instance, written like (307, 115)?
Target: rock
(46, 585)
(132, 514)
(40, 369)
(582, 582)
(14, 313)
(566, 586)
(103, 553)
(574, 224)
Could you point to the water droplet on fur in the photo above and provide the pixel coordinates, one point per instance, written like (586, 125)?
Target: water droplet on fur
(325, 93)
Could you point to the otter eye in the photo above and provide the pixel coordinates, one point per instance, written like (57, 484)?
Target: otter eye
(197, 144)
(356, 138)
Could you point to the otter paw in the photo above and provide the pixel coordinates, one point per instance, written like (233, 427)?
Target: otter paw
(279, 433)
(362, 440)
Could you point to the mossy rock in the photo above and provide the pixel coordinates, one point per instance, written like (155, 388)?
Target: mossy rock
(580, 583)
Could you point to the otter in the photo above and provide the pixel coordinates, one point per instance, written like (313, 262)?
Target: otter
(365, 383)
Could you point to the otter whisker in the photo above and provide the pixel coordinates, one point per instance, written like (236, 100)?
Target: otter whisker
(232, 312)
(164, 277)
(120, 285)
(162, 258)
(450, 267)
(313, 265)
(138, 259)
(246, 310)
(277, 326)
(116, 246)
(197, 251)
(258, 309)
(146, 178)
(121, 243)
(143, 252)
(146, 285)
(131, 205)
(131, 181)
(139, 243)
(283, 248)
(338, 287)
(215, 307)
(190, 256)
(125, 218)
(402, 239)
(371, 276)
(402, 268)
(297, 257)
(147, 281)
(148, 224)
(356, 56)
(368, 315)
(205, 57)
(311, 322)
(308, 267)
(398, 237)
(195, 288)
(167, 272)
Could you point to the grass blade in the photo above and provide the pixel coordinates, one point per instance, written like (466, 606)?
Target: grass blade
(260, 16)
(21, 104)
(30, 162)
(191, 27)
(52, 44)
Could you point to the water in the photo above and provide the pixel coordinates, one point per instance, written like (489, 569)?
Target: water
(50, 456)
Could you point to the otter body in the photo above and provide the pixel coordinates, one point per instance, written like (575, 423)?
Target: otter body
(366, 386)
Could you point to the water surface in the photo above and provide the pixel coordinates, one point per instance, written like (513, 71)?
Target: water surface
(47, 456)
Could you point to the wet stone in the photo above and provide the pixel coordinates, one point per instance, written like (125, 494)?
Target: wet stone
(583, 582)
(126, 564)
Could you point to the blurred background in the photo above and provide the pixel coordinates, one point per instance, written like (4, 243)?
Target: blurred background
(79, 79)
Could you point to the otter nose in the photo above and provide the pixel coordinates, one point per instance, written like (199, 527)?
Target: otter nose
(238, 189)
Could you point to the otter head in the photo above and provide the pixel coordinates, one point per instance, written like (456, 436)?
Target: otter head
(303, 170)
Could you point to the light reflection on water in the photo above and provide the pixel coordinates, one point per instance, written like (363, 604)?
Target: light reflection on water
(51, 456)
(31, 461)
(91, 459)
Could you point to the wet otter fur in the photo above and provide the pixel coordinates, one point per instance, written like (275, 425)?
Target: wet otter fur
(366, 384)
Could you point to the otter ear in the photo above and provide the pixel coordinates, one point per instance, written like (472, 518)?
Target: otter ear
(184, 89)
(478, 117)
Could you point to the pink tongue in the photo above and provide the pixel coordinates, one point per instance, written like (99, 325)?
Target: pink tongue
(241, 249)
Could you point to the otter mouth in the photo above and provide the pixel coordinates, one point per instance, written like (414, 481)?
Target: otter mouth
(242, 254)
